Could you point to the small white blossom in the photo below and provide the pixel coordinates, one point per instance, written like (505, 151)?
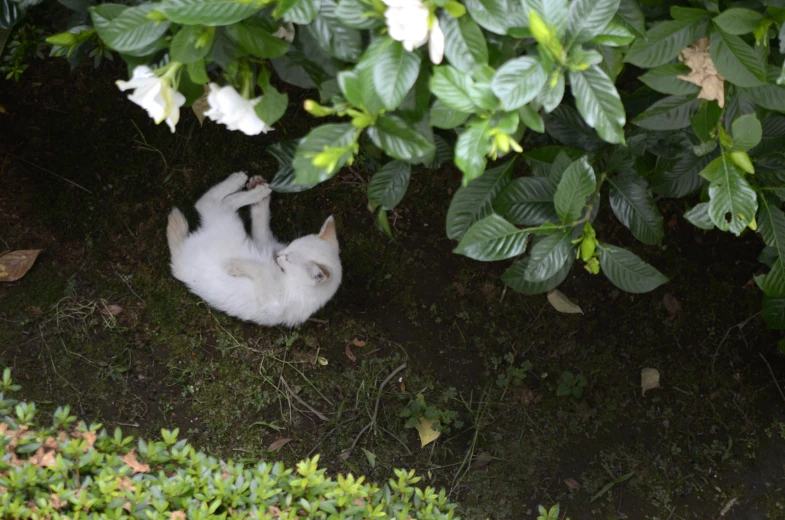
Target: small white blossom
(408, 22)
(228, 107)
(155, 95)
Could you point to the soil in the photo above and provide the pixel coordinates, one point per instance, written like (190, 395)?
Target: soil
(87, 177)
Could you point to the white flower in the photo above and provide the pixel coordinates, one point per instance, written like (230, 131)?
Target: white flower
(155, 95)
(408, 22)
(229, 108)
(285, 32)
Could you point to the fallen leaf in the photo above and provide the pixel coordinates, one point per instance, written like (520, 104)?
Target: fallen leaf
(703, 72)
(88, 436)
(177, 515)
(348, 352)
(15, 264)
(136, 466)
(572, 483)
(3, 110)
(200, 106)
(481, 461)
(671, 304)
(358, 342)
(277, 445)
(322, 361)
(56, 502)
(43, 458)
(425, 428)
(563, 304)
(111, 310)
(650, 379)
(371, 456)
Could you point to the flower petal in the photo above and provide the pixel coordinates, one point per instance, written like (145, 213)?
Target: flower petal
(436, 44)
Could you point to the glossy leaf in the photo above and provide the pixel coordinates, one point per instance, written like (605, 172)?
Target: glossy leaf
(518, 81)
(733, 203)
(548, 255)
(527, 201)
(394, 73)
(682, 177)
(736, 61)
(491, 239)
(671, 113)
(129, 30)
(399, 139)
(330, 136)
(634, 206)
(665, 79)
(205, 12)
(444, 117)
(663, 42)
(464, 44)
(284, 180)
(587, 19)
(389, 184)
(738, 21)
(514, 278)
(453, 88)
(627, 271)
(577, 183)
(471, 150)
(599, 103)
(338, 40)
(773, 312)
(475, 200)
(747, 132)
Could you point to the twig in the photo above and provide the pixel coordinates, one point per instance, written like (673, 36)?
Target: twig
(129, 286)
(320, 322)
(504, 291)
(772, 375)
(50, 172)
(297, 397)
(345, 454)
(391, 434)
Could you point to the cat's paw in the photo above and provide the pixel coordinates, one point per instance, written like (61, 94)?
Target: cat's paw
(237, 178)
(233, 269)
(256, 180)
(260, 192)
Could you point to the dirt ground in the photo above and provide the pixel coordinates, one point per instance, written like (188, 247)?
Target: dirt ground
(88, 178)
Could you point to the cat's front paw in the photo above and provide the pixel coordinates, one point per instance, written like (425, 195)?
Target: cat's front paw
(232, 268)
(237, 178)
(256, 180)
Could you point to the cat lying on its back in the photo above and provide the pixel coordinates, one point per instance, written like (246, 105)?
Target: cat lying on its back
(253, 278)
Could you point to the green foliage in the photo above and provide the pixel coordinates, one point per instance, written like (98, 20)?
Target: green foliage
(418, 409)
(571, 385)
(62, 470)
(543, 74)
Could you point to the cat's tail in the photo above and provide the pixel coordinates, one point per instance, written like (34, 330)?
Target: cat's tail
(176, 231)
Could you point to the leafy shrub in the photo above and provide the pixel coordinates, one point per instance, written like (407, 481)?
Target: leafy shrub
(74, 470)
(697, 112)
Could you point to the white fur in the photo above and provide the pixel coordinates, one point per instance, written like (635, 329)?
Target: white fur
(254, 278)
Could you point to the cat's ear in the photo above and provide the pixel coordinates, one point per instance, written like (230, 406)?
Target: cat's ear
(328, 231)
(319, 273)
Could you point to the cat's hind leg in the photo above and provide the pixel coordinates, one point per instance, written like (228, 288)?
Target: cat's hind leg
(260, 215)
(215, 196)
(254, 195)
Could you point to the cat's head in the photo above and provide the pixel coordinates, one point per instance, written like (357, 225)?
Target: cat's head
(313, 259)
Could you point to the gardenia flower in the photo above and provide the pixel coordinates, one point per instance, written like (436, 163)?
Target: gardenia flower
(155, 95)
(229, 108)
(408, 22)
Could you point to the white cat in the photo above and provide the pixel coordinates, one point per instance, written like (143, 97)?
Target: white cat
(254, 278)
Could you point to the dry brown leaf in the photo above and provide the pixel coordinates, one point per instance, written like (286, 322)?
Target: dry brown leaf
(111, 310)
(572, 483)
(136, 466)
(3, 110)
(562, 304)
(671, 304)
(15, 264)
(125, 483)
(703, 72)
(273, 511)
(358, 342)
(56, 502)
(277, 445)
(481, 461)
(650, 379)
(42, 458)
(177, 515)
(200, 106)
(349, 353)
(88, 436)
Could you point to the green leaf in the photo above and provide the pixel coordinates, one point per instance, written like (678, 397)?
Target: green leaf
(665, 79)
(464, 43)
(747, 132)
(587, 19)
(771, 226)
(531, 118)
(671, 113)
(705, 120)
(630, 12)
(615, 34)
(518, 81)
(599, 103)
(738, 20)
(272, 106)
(301, 12)
(770, 96)
(394, 73)
(634, 206)
(736, 61)
(453, 88)
(527, 201)
(475, 201)
(566, 125)
(284, 181)
(773, 283)
(543, 160)
(733, 202)
(389, 184)
(358, 14)
(773, 312)
(554, 12)
(663, 42)
(326, 136)
(492, 239)
(471, 150)
(183, 47)
(258, 41)
(773, 134)
(514, 278)
(338, 40)
(129, 29)
(198, 72)
(550, 96)
(445, 117)
(577, 183)
(398, 138)
(548, 256)
(497, 16)
(627, 271)
(699, 217)
(676, 180)
(10, 13)
(206, 12)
